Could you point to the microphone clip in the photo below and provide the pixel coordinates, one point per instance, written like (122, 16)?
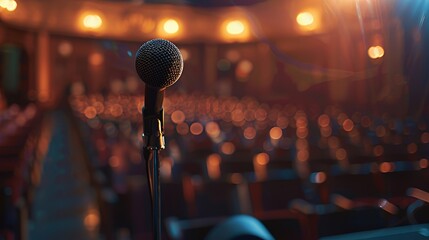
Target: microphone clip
(153, 130)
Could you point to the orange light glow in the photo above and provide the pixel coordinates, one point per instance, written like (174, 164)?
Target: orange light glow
(96, 59)
(166, 167)
(308, 20)
(386, 167)
(249, 133)
(302, 155)
(212, 129)
(262, 158)
(213, 166)
(375, 52)
(235, 27)
(9, 5)
(424, 163)
(305, 19)
(177, 117)
(378, 150)
(228, 148)
(341, 154)
(92, 219)
(92, 21)
(196, 128)
(171, 26)
(348, 125)
(182, 128)
(276, 133)
(323, 120)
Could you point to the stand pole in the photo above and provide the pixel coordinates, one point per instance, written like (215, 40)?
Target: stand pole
(153, 140)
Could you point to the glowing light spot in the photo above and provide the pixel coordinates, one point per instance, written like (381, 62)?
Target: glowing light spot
(249, 133)
(276, 133)
(305, 19)
(424, 163)
(92, 21)
(228, 148)
(326, 131)
(213, 166)
(348, 125)
(65, 49)
(236, 178)
(375, 52)
(302, 155)
(182, 128)
(90, 112)
(341, 154)
(262, 158)
(114, 161)
(323, 120)
(302, 132)
(96, 59)
(196, 128)
(378, 150)
(171, 26)
(386, 167)
(177, 117)
(10, 5)
(92, 219)
(212, 129)
(235, 27)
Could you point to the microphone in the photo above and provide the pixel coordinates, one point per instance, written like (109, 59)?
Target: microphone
(159, 64)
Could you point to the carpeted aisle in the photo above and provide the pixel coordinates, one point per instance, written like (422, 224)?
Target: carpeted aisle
(64, 205)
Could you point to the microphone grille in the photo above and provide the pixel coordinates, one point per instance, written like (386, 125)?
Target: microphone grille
(159, 63)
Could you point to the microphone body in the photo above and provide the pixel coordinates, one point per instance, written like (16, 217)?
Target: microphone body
(159, 64)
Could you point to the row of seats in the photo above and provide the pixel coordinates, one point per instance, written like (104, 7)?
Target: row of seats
(300, 155)
(17, 143)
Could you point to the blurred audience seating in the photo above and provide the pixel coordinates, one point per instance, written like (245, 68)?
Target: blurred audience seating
(326, 172)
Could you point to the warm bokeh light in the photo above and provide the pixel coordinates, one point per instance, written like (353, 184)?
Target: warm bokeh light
(348, 125)
(323, 120)
(65, 48)
(171, 26)
(305, 18)
(378, 150)
(9, 5)
(91, 220)
(386, 167)
(424, 163)
(196, 128)
(178, 117)
(235, 27)
(276, 133)
(213, 166)
(96, 59)
(92, 21)
(375, 52)
(341, 154)
(308, 20)
(249, 133)
(227, 148)
(262, 158)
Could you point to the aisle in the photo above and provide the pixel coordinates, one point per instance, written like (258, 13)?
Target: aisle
(64, 205)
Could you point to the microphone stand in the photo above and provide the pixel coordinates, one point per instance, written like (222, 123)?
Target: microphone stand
(153, 141)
